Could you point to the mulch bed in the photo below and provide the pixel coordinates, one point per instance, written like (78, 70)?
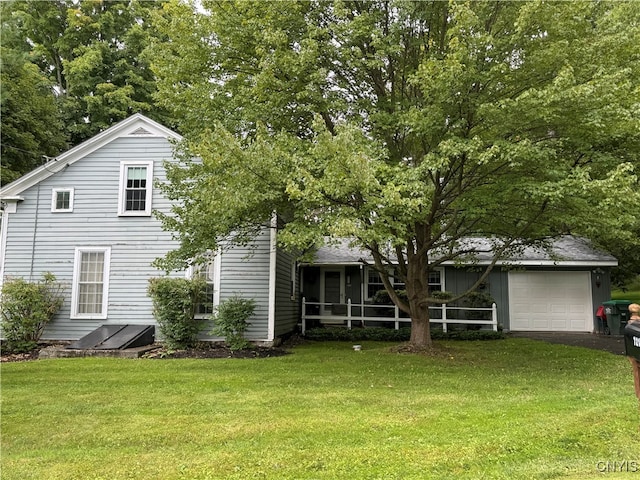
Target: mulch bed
(613, 344)
(212, 350)
(203, 350)
(20, 357)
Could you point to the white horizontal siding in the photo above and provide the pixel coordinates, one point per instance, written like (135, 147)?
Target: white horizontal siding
(46, 241)
(245, 271)
(53, 237)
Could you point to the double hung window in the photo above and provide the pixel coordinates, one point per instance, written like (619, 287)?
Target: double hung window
(136, 180)
(374, 283)
(435, 280)
(210, 273)
(90, 282)
(207, 273)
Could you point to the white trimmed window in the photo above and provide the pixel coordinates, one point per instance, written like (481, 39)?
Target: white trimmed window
(210, 272)
(374, 282)
(62, 200)
(136, 182)
(90, 282)
(436, 280)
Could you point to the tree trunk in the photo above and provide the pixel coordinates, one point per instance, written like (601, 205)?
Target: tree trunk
(420, 326)
(417, 285)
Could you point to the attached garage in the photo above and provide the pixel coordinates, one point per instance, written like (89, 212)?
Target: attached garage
(550, 301)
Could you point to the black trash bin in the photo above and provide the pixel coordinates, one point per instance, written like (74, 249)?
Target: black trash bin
(632, 340)
(617, 312)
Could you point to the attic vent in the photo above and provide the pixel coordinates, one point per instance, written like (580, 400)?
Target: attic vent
(141, 131)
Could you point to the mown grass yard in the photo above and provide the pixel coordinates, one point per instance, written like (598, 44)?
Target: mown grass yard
(512, 409)
(631, 292)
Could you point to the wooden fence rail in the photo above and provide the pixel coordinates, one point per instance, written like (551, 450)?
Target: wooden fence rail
(346, 314)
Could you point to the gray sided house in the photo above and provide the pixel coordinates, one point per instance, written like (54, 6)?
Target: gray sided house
(538, 291)
(86, 216)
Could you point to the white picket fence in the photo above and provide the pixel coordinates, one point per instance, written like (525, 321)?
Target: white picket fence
(343, 314)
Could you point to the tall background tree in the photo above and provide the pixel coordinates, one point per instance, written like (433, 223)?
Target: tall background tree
(89, 61)
(31, 125)
(410, 127)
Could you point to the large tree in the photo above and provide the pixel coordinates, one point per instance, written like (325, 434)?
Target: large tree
(30, 120)
(410, 127)
(91, 52)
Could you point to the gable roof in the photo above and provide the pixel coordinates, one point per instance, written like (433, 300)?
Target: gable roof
(136, 125)
(565, 251)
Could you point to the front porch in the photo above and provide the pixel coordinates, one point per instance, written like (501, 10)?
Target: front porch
(347, 294)
(351, 314)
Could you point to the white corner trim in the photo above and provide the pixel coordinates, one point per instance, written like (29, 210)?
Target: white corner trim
(217, 271)
(273, 265)
(4, 226)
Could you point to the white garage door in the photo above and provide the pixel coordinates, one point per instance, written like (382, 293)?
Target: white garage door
(550, 301)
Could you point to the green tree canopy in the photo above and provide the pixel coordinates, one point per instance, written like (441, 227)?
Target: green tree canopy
(90, 53)
(409, 127)
(30, 120)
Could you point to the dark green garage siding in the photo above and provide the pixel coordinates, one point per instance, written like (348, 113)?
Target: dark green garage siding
(459, 280)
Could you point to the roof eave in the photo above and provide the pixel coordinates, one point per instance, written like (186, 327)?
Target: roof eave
(515, 263)
(122, 128)
(550, 263)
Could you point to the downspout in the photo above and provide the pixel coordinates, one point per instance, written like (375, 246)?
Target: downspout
(4, 223)
(362, 291)
(217, 271)
(35, 231)
(273, 258)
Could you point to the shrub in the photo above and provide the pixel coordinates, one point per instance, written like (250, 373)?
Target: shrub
(441, 295)
(468, 335)
(175, 302)
(381, 297)
(391, 335)
(231, 321)
(26, 309)
(478, 300)
(359, 334)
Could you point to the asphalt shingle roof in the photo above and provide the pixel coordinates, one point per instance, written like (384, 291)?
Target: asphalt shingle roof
(564, 251)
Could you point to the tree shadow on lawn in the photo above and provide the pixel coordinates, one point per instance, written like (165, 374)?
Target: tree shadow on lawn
(215, 350)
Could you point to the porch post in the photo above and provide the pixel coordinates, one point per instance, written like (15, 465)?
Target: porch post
(494, 316)
(444, 317)
(397, 317)
(349, 313)
(304, 311)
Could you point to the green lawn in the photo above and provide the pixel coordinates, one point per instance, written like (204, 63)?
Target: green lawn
(512, 409)
(631, 295)
(631, 292)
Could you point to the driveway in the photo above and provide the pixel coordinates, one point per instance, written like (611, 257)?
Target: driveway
(608, 343)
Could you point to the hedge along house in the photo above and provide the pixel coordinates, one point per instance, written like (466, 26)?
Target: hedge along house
(542, 290)
(86, 216)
